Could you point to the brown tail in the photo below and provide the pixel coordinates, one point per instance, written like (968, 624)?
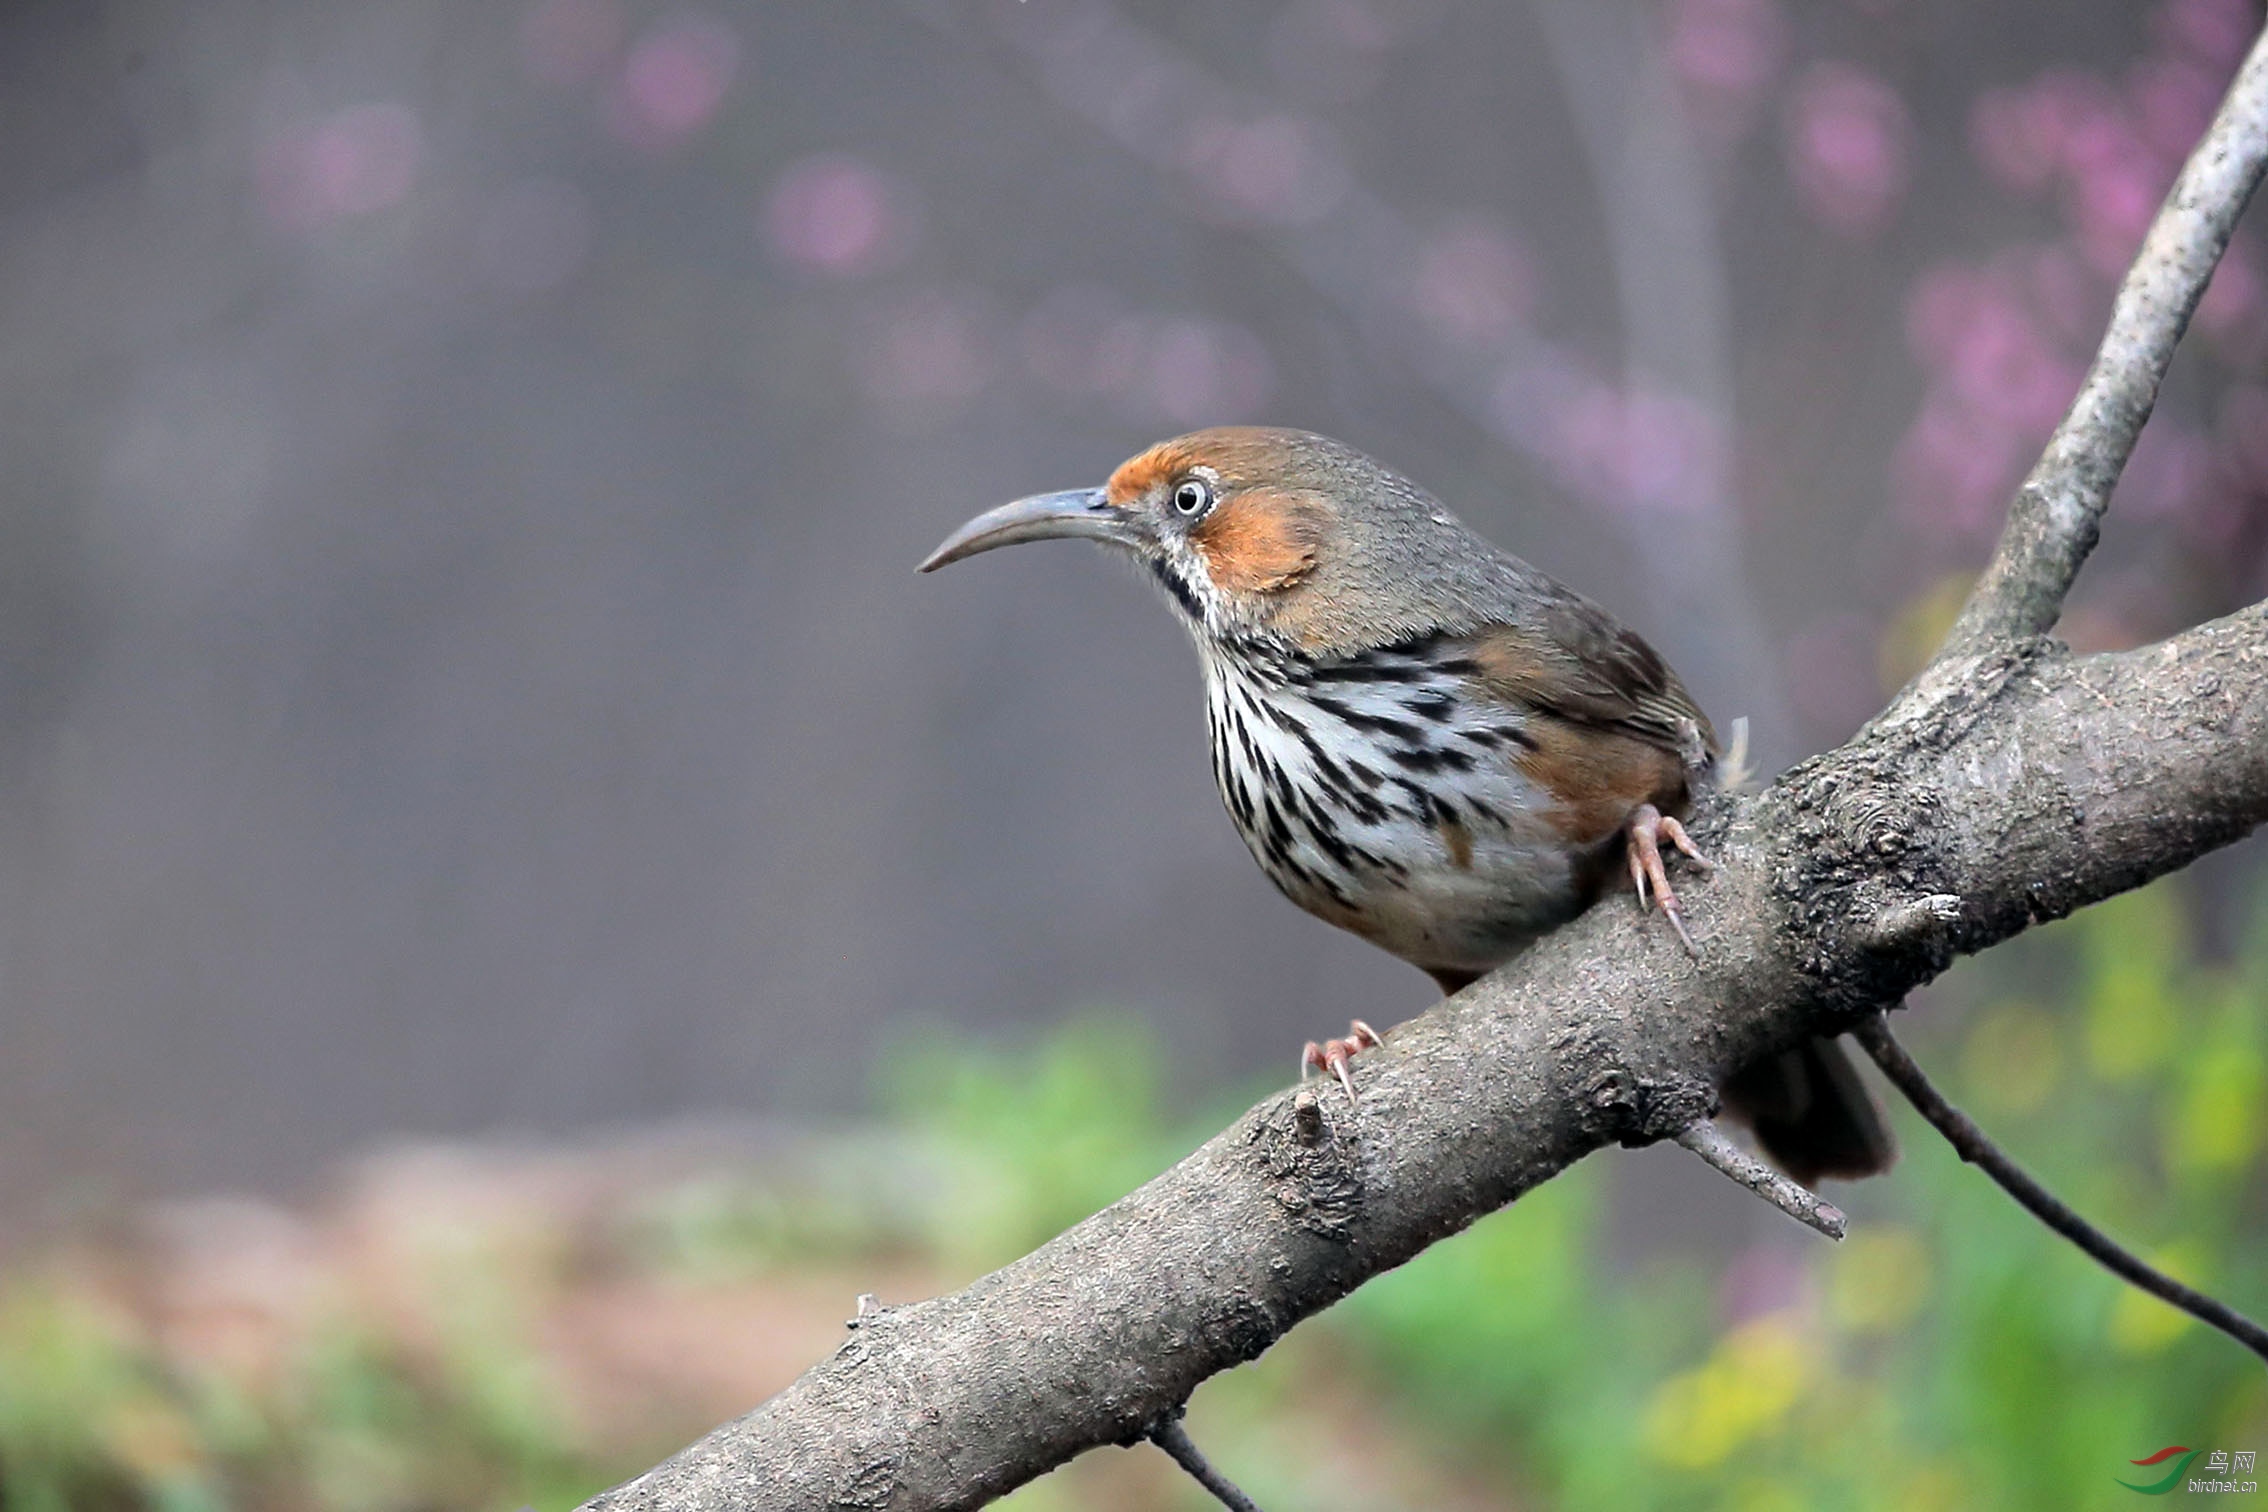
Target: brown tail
(1812, 1114)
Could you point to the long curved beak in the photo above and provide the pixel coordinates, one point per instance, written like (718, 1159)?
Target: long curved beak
(1078, 512)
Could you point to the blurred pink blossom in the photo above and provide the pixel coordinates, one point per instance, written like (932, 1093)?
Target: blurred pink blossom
(1646, 450)
(2098, 134)
(1132, 98)
(1848, 139)
(1525, 394)
(673, 82)
(1280, 170)
(1187, 370)
(2242, 434)
(1328, 51)
(1985, 349)
(352, 162)
(2018, 135)
(1831, 671)
(838, 215)
(2216, 32)
(2024, 134)
(2217, 513)
(2174, 100)
(1061, 335)
(1937, 308)
(2170, 470)
(1205, 372)
(567, 42)
(1119, 365)
(2240, 469)
(1764, 1279)
(2116, 183)
(2113, 206)
(1725, 55)
(1673, 451)
(2071, 301)
(927, 355)
(2231, 306)
(1953, 469)
(1474, 283)
(2000, 363)
(1730, 48)
(2002, 345)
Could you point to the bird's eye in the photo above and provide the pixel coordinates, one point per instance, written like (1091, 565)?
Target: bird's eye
(1192, 498)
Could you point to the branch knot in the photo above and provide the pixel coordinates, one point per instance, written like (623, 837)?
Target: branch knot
(1635, 1110)
(1315, 1174)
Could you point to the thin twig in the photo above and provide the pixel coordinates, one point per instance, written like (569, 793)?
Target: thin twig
(2057, 514)
(1793, 1198)
(1174, 1439)
(1972, 1144)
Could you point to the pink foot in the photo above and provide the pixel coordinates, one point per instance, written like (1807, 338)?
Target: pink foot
(1332, 1055)
(1647, 828)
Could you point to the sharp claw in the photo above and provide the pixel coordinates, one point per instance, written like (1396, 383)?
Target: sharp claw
(1677, 922)
(1650, 876)
(1684, 842)
(1331, 1056)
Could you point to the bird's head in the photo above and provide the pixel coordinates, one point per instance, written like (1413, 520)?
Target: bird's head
(1252, 532)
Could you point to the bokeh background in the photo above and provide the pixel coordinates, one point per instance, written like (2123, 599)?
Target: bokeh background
(516, 904)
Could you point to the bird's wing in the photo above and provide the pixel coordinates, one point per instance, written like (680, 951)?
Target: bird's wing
(1571, 659)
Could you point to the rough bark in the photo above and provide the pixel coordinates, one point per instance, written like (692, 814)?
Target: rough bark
(2012, 783)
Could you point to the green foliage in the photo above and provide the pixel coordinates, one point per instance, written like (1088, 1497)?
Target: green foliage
(95, 1414)
(1950, 1354)
(1028, 1143)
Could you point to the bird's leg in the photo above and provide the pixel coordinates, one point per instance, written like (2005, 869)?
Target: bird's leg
(1332, 1055)
(1647, 828)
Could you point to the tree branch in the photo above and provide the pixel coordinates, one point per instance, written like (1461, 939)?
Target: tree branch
(1973, 1145)
(1791, 1197)
(2066, 781)
(1175, 1441)
(2013, 783)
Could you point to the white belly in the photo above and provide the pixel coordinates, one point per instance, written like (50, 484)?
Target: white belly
(1391, 813)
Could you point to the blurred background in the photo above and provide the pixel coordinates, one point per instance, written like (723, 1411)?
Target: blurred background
(516, 905)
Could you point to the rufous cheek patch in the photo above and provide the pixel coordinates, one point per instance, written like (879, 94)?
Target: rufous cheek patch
(1260, 541)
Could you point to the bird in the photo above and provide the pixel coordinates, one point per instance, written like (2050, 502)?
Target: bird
(1421, 738)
